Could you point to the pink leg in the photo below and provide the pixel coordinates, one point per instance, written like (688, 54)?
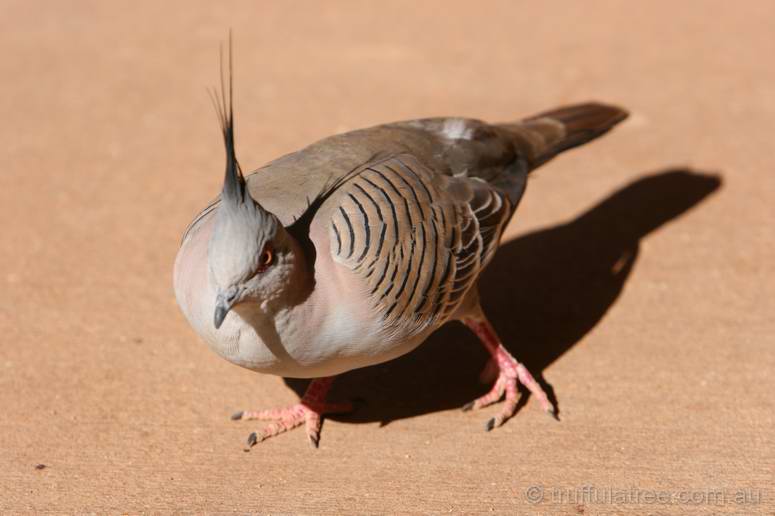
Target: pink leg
(509, 373)
(308, 411)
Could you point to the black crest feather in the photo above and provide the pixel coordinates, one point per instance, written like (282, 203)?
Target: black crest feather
(234, 182)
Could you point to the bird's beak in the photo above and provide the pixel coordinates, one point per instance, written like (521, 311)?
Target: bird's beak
(222, 307)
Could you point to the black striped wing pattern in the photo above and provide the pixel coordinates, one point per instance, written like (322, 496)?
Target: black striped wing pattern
(418, 238)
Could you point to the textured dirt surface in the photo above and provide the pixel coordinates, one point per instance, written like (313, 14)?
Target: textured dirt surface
(637, 277)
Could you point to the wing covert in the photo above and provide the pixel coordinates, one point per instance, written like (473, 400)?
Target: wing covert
(418, 239)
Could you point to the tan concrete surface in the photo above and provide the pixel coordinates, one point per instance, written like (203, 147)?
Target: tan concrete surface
(637, 277)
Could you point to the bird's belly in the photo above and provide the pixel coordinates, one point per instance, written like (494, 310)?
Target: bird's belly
(344, 339)
(350, 340)
(335, 349)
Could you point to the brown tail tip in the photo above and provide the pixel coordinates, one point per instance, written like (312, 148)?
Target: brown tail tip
(582, 123)
(587, 115)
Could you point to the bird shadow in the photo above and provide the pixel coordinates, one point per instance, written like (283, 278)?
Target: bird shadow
(543, 292)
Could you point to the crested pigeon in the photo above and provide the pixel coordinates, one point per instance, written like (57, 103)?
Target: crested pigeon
(351, 251)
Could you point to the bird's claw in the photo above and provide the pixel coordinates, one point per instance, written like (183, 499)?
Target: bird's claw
(282, 420)
(510, 374)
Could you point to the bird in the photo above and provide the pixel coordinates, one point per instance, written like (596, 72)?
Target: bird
(351, 251)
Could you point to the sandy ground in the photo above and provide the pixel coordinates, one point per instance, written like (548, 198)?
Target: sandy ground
(637, 278)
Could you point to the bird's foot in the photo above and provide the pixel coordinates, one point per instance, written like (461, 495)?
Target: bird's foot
(510, 374)
(308, 411)
(287, 418)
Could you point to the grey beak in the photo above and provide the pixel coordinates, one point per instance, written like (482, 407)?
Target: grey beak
(222, 307)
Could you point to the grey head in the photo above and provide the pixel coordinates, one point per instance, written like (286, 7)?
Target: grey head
(249, 252)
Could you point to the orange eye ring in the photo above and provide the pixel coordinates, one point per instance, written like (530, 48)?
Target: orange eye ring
(266, 258)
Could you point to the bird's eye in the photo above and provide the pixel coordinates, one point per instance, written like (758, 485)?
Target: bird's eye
(266, 258)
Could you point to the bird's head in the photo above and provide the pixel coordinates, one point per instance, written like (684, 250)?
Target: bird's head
(250, 255)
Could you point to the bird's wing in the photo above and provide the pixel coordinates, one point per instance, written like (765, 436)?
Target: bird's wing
(417, 238)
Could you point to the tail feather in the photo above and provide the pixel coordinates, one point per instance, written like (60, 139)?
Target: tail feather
(545, 135)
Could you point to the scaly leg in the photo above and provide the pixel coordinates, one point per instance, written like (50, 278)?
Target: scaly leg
(509, 373)
(309, 411)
